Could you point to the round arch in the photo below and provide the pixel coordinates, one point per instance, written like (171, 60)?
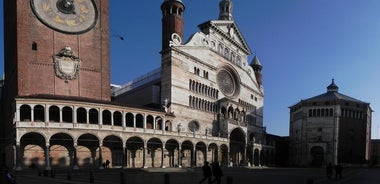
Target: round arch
(86, 150)
(237, 146)
(155, 151)
(135, 148)
(32, 148)
(61, 150)
(114, 153)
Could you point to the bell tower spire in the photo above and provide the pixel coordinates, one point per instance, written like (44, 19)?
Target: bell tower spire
(257, 67)
(225, 10)
(172, 20)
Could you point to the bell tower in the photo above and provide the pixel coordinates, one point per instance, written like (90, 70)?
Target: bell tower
(172, 21)
(57, 48)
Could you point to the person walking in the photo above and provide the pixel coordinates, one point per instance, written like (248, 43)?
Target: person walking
(207, 173)
(217, 172)
(338, 171)
(329, 170)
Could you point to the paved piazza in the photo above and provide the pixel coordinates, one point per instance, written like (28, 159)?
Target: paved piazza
(194, 175)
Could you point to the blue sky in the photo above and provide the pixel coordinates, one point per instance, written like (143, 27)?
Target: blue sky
(301, 44)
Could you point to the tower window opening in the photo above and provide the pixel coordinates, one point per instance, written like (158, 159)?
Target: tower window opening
(34, 46)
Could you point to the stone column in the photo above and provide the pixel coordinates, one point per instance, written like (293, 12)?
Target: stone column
(125, 158)
(74, 115)
(253, 154)
(18, 157)
(123, 123)
(87, 116)
(162, 156)
(60, 115)
(47, 115)
(47, 157)
(144, 122)
(163, 124)
(193, 157)
(134, 121)
(112, 118)
(18, 113)
(100, 118)
(32, 114)
(100, 157)
(179, 156)
(144, 155)
(75, 164)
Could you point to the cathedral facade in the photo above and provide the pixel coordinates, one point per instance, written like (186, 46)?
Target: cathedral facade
(204, 103)
(330, 128)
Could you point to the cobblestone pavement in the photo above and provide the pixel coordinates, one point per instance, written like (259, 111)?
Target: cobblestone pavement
(234, 175)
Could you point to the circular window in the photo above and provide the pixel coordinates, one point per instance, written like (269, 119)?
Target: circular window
(193, 126)
(227, 82)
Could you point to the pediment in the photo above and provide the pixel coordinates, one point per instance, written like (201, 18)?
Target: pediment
(229, 31)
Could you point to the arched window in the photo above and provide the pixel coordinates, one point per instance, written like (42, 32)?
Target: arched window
(54, 114)
(93, 116)
(139, 121)
(117, 118)
(158, 123)
(149, 122)
(81, 115)
(106, 117)
(67, 114)
(129, 120)
(25, 113)
(39, 113)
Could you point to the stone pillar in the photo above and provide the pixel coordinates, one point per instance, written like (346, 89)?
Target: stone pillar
(47, 157)
(144, 154)
(74, 114)
(253, 155)
(112, 118)
(75, 164)
(134, 121)
(163, 124)
(100, 118)
(125, 157)
(47, 117)
(100, 157)
(18, 157)
(18, 113)
(60, 115)
(87, 116)
(179, 156)
(144, 122)
(123, 123)
(162, 156)
(259, 159)
(32, 114)
(193, 157)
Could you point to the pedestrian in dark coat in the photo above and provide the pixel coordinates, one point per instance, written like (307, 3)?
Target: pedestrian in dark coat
(217, 172)
(338, 171)
(329, 170)
(207, 173)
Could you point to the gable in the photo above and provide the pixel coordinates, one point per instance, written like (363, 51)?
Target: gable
(228, 30)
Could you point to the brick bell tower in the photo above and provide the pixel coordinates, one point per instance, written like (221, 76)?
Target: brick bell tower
(172, 21)
(57, 48)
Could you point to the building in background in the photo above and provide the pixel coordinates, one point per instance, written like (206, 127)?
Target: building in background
(330, 128)
(59, 109)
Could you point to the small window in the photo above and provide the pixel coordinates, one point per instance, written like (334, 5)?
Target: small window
(34, 46)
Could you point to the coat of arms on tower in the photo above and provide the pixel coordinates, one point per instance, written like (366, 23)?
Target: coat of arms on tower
(66, 64)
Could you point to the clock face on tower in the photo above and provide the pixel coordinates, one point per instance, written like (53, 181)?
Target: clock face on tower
(67, 16)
